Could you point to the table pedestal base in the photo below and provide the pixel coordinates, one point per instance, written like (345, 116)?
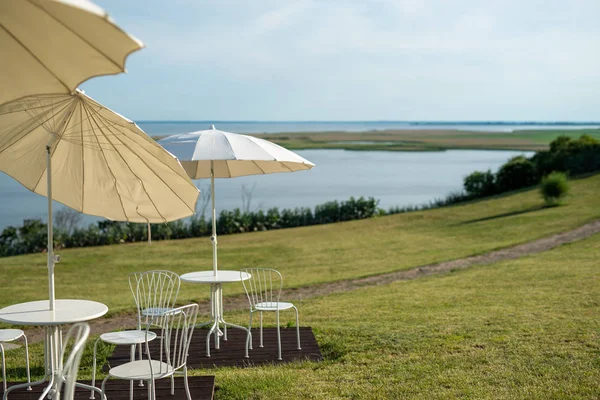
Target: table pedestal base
(216, 314)
(52, 366)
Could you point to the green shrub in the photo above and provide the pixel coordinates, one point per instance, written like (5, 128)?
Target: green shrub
(479, 184)
(554, 187)
(517, 173)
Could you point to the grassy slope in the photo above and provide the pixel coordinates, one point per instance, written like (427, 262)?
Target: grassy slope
(522, 329)
(308, 255)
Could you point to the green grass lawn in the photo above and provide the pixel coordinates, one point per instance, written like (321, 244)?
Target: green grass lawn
(307, 255)
(526, 328)
(522, 329)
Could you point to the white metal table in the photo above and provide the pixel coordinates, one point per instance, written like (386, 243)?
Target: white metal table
(216, 301)
(38, 313)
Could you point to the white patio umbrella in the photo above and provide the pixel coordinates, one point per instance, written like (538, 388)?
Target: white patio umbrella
(217, 154)
(51, 46)
(74, 150)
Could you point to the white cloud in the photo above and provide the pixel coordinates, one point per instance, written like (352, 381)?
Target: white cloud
(392, 49)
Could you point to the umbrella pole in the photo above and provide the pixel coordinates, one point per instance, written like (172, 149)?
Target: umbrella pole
(149, 234)
(213, 238)
(50, 249)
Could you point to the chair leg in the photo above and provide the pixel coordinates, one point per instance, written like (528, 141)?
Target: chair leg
(172, 385)
(185, 382)
(3, 368)
(103, 387)
(94, 368)
(139, 327)
(261, 330)
(60, 346)
(153, 384)
(278, 337)
(132, 358)
(27, 360)
(249, 336)
(297, 328)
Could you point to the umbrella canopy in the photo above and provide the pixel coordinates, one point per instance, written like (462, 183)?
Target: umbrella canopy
(51, 46)
(231, 155)
(217, 154)
(103, 164)
(70, 148)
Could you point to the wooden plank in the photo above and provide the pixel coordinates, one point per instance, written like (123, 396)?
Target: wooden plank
(201, 388)
(231, 352)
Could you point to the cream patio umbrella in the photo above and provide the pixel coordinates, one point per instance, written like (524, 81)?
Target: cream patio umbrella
(51, 46)
(74, 150)
(217, 154)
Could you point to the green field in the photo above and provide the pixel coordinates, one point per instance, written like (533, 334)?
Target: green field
(526, 329)
(309, 255)
(424, 140)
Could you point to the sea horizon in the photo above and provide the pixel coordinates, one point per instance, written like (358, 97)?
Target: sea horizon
(166, 127)
(408, 122)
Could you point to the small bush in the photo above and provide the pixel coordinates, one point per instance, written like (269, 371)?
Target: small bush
(554, 187)
(479, 184)
(517, 173)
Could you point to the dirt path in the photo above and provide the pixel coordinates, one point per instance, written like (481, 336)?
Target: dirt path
(240, 302)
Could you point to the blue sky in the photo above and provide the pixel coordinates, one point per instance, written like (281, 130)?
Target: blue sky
(357, 60)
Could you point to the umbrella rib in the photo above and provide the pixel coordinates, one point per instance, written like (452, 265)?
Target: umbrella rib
(55, 146)
(256, 144)
(34, 56)
(148, 141)
(83, 40)
(228, 169)
(288, 168)
(134, 174)
(155, 174)
(17, 140)
(107, 165)
(258, 166)
(228, 144)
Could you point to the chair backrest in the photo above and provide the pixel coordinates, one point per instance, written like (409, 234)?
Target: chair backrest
(154, 292)
(74, 343)
(177, 328)
(263, 287)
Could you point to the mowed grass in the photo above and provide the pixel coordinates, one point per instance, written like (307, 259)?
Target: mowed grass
(307, 255)
(522, 329)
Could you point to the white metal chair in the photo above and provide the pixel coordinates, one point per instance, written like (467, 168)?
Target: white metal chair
(154, 293)
(75, 341)
(263, 290)
(9, 335)
(176, 328)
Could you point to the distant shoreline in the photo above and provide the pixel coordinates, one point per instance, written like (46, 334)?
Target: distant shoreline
(422, 139)
(408, 123)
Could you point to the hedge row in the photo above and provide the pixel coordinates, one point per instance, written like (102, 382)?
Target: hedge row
(32, 236)
(571, 156)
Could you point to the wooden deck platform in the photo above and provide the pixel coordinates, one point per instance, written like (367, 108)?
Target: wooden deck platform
(231, 352)
(201, 388)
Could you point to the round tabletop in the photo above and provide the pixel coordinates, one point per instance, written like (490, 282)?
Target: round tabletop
(66, 311)
(209, 277)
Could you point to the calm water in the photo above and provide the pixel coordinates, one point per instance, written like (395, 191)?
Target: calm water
(159, 128)
(395, 178)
